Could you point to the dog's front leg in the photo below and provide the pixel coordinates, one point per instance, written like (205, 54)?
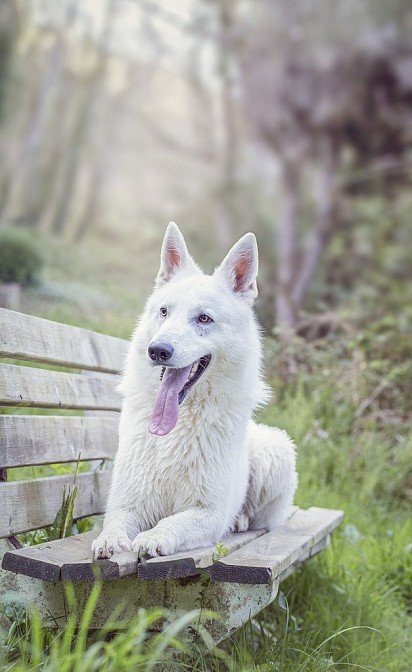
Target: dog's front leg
(182, 531)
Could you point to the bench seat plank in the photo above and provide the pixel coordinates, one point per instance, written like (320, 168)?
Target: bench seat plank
(35, 339)
(31, 504)
(267, 557)
(44, 439)
(42, 388)
(70, 559)
(46, 560)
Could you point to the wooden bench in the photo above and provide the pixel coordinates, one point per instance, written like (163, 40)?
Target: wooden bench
(240, 582)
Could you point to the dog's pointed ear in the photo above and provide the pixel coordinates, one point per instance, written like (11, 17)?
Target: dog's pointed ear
(240, 267)
(174, 256)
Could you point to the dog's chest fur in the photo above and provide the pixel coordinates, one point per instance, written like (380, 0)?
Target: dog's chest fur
(201, 464)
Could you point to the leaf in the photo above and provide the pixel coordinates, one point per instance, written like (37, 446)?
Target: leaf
(63, 522)
(68, 520)
(221, 551)
(282, 601)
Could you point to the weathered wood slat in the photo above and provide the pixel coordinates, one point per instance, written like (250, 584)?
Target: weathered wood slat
(30, 504)
(44, 439)
(70, 559)
(309, 553)
(34, 339)
(267, 557)
(26, 386)
(45, 561)
(188, 563)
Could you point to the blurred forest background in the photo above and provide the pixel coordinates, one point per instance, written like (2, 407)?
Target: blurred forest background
(292, 119)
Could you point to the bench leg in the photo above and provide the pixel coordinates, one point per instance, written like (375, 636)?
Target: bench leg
(234, 603)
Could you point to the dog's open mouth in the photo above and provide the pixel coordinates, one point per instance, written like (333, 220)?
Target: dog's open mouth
(174, 386)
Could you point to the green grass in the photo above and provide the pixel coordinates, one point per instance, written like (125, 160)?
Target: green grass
(362, 583)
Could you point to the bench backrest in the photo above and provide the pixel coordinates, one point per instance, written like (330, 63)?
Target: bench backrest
(89, 431)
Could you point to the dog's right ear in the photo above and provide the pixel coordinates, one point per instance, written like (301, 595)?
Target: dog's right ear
(174, 256)
(240, 267)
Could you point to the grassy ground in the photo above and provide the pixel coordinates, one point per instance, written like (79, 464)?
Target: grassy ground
(346, 406)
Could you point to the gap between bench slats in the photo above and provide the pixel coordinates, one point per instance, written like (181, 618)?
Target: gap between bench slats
(35, 339)
(31, 504)
(42, 388)
(43, 439)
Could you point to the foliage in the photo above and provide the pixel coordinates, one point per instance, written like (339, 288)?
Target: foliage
(21, 259)
(221, 551)
(63, 522)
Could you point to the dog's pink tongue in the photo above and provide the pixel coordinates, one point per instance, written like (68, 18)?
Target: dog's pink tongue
(166, 406)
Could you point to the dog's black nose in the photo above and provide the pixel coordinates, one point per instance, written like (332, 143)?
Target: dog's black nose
(160, 352)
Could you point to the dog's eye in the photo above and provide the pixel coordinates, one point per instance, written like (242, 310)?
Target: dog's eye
(163, 311)
(204, 319)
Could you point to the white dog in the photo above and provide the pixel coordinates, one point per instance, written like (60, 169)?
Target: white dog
(192, 465)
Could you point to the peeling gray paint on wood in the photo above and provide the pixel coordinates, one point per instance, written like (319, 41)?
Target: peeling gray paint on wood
(234, 603)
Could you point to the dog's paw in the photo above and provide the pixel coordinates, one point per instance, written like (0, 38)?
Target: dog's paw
(242, 523)
(108, 543)
(154, 543)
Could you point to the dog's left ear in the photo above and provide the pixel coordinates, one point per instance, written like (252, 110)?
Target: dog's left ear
(174, 256)
(240, 267)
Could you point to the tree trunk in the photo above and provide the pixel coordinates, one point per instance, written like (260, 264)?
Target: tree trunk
(87, 106)
(33, 165)
(326, 209)
(27, 186)
(98, 162)
(287, 244)
(226, 219)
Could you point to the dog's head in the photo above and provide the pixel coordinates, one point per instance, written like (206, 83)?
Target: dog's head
(196, 321)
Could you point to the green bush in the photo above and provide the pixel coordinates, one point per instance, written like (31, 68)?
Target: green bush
(21, 259)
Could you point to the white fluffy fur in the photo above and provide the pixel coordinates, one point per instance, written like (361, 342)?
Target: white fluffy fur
(216, 470)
